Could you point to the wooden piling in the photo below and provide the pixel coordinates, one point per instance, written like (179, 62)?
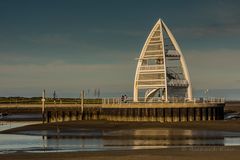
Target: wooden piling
(140, 112)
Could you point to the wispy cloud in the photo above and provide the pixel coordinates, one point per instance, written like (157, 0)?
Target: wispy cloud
(125, 32)
(61, 76)
(210, 31)
(214, 68)
(48, 38)
(212, 19)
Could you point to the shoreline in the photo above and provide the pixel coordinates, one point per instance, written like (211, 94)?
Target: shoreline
(178, 153)
(220, 125)
(187, 153)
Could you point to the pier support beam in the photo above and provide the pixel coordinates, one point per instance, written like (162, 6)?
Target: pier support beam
(183, 114)
(167, 113)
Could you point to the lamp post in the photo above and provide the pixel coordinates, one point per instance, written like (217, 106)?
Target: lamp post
(82, 101)
(206, 94)
(43, 105)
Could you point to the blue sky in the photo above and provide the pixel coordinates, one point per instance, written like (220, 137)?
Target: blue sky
(70, 45)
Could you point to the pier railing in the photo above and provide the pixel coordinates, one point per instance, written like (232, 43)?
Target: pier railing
(117, 100)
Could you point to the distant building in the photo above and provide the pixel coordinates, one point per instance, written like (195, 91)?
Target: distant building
(161, 69)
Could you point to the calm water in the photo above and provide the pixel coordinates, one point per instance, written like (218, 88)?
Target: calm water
(86, 140)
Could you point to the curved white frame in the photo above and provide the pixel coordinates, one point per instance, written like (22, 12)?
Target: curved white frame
(162, 26)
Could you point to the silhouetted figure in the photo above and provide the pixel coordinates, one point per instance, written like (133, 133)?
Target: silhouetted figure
(125, 98)
(122, 98)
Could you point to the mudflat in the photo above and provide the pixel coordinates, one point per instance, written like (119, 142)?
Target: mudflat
(196, 153)
(220, 125)
(181, 153)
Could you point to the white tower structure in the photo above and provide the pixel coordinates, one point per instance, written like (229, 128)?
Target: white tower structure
(161, 69)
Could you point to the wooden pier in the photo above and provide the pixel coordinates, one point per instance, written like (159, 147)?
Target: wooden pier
(163, 112)
(146, 112)
(74, 113)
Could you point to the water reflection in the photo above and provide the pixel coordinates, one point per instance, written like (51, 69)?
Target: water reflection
(233, 141)
(74, 143)
(22, 116)
(96, 140)
(15, 142)
(139, 139)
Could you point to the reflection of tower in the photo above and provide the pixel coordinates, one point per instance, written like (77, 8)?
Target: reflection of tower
(161, 69)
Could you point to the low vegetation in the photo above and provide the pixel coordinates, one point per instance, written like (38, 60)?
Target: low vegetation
(37, 100)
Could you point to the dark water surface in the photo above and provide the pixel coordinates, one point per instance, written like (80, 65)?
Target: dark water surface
(89, 140)
(22, 117)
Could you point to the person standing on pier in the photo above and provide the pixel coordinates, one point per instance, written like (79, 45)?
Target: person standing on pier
(125, 98)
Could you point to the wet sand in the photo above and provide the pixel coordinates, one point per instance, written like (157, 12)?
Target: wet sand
(221, 125)
(195, 152)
